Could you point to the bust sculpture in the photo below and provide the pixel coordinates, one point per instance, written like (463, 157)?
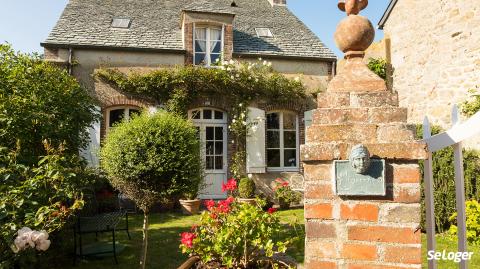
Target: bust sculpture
(360, 159)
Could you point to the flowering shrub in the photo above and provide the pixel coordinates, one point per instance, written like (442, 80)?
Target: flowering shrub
(284, 193)
(236, 235)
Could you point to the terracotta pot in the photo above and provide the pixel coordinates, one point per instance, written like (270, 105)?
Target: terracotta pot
(251, 201)
(190, 207)
(189, 263)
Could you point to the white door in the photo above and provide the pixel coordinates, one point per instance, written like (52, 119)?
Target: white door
(212, 127)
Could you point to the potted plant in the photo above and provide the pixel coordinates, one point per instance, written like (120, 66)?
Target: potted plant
(284, 194)
(246, 191)
(190, 204)
(237, 235)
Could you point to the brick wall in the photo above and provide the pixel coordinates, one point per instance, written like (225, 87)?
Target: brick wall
(371, 232)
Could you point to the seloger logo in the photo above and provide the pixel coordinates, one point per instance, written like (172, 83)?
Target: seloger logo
(450, 256)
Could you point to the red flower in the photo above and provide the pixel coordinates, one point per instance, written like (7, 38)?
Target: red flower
(285, 184)
(230, 200)
(223, 206)
(271, 210)
(187, 239)
(213, 216)
(230, 186)
(210, 204)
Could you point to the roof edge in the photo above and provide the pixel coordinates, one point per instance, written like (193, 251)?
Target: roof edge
(386, 14)
(273, 56)
(92, 47)
(210, 12)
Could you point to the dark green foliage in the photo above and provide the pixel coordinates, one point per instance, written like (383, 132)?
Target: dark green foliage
(153, 157)
(378, 66)
(246, 188)
(40, 101)
(472, 106)
(444, 181)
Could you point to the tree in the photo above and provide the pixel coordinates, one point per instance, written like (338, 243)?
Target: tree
(41, 101)
(152, 158)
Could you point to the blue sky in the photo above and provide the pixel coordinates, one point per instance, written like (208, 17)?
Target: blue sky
(26, 23)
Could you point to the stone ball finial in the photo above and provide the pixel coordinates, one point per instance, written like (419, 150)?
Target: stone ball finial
(354, 34)
(352, 7)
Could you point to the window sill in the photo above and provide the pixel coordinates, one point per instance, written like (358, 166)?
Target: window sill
(285, 169)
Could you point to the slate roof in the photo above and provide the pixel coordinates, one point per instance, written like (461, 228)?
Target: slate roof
(156, 25)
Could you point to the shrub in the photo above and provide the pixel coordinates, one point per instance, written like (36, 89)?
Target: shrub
(378, 66)
(152, 158)
(41, 197)
(236, 235)
(284, 193)
(473, 222)
(444, 181)
(41, 101)
(472, 106)
(246, 188)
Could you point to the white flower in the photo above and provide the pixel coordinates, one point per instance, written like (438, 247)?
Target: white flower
(217, 60)
(249, 67)
(242, 115)
(23, 231)
(250, 176)
(256, 80)
(233, 121)
(232, 77)
(260, 59)
(237, 75)
(269, 64)
(228, 69)
(297, 79)
(233, 141)
(265, 62)
(28, 238)
(240, 105)
(249, 77)
(232, 62)
(244, 123)
(43, 245)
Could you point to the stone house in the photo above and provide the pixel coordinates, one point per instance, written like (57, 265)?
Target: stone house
(435, 57)
(148, 34)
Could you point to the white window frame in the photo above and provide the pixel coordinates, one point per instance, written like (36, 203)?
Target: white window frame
(208, 41)
(126, 114)
(282, 168)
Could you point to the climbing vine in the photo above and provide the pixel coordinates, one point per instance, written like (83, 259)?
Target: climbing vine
(237, 83)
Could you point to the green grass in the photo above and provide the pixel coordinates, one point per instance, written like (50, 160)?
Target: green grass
(163, 252)
(450, 245)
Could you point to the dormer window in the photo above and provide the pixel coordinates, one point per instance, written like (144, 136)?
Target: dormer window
(208, 45)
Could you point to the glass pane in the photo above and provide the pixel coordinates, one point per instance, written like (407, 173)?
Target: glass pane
(219, 133)
(289, 139)
(214, 57)
(196, 114)
(219, 162)
(209, 163)
(290, 158)
(218, 115)
(200, 59)
(201, 33)
(209, 148)
(215, 47)
(289, 121)
(133, 112)
(200, 46)
(209, 133)
(215, 34)
(273, 139)
(273, 121)
(116, 116)
(207, 114)
(218, 148)
(273, 158)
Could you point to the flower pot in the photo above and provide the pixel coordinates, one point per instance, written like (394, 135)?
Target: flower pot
(190, 207)
(251, 201)
(283, 204)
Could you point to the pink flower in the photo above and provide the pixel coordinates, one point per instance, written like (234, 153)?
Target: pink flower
(285, 184)
(230, 186)
(271, 210)
(210, 204)
(230, 200)
(187, 239)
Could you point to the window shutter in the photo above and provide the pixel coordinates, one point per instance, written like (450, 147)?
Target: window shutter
(91, 152)
(256, 141)
(307, 119)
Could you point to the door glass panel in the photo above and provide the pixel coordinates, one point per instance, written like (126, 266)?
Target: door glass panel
(290, 139)
(218, 133)
(290, 158)
(273, 158)
(209, 148)
(218, 162)
(218, 148)
(218, 115)
(289, 121)
(116, 116)
(273, 139)
(209, 163)
(207, 114)
(273, 121)
(209, 134)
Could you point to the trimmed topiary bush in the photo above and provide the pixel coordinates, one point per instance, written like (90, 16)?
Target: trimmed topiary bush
(152, 158)
(246, 188)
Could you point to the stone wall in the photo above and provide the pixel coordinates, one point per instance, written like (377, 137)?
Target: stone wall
(435, 54)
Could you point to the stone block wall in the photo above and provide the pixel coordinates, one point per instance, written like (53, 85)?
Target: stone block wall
(362, 232)
(435, 54)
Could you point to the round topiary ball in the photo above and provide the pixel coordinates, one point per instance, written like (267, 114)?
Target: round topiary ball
(153, 157)
(246, 188)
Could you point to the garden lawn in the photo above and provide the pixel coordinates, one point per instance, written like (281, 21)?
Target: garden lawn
(164, 239)
(450, 245)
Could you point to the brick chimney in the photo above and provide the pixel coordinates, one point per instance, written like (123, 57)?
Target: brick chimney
(278, 2)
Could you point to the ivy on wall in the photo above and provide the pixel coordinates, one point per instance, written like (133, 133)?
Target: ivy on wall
(238, 84)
